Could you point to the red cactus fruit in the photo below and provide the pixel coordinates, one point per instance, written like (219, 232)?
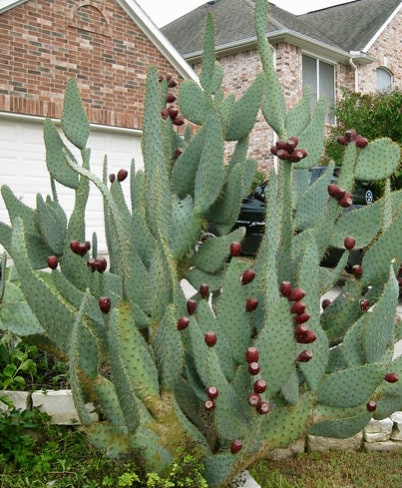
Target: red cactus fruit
(104, 304)
(357, 271)
(254, 368)
(235, 248)
(304, 356)
(305, 336)
(252, 355)
(294, 139)
(254, 399)
(283, 154)
(343, 140)
(349, 243)
(183, 323)
(391, 377)
(178, 121)
(100, 264)
(351, 135)
(236, 446)
(247, 277)
(170, 98)
(191, 306)
(204, 290)
(361, 142)
(286, 288)
(302, 318)
(212, 392)
(251, 304)
(364, 305)
(333, 190)
(263, 408)
(346, 201)
(260, 386)
(112, 177)
(165, 113)
(209, 405)
(122, 174)
(371, 406)
(173, 112)
(297, 294)
(326, 303)
(52, 262)
(298, 307)
(210, 338)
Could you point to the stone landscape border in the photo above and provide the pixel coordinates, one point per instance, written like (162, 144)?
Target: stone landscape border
(378, 435)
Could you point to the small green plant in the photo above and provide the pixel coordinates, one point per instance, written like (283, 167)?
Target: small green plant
(16, 362)
(20, 431)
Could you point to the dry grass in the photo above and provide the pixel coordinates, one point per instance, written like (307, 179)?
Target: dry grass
(335, 469)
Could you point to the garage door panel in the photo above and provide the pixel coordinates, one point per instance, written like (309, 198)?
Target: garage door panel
(23, 166)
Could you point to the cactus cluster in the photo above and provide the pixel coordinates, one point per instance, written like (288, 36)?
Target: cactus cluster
(256, 358)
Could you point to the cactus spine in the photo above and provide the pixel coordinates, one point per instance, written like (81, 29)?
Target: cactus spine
(182, 374)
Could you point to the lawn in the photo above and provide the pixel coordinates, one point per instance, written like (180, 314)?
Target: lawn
(334, 469)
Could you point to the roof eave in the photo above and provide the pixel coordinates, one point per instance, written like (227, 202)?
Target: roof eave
(135, 12)
(382, 28)
(307, 43)
(9, 4)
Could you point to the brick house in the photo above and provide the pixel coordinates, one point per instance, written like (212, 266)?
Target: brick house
(355, 46)
(107, 46)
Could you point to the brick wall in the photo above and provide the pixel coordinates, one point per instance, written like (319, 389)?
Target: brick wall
(45, 42)
(240, 70)
(387, 50)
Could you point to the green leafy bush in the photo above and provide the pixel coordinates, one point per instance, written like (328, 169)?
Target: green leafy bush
(374, 115)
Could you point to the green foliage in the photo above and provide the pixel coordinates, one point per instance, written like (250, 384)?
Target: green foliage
(170, 373)
(19, 433)
(16, 361)
(372, 115)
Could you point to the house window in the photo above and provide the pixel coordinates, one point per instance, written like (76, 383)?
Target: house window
(320, 76)
(384, 79)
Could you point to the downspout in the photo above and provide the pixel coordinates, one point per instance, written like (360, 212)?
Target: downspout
(356, 73)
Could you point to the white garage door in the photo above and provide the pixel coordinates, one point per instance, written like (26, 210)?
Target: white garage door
(23, 165)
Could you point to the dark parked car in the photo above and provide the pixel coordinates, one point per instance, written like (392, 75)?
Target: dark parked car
(252, 216)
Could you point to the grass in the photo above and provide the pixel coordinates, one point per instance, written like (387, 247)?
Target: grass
(64, 458)
(334, 469)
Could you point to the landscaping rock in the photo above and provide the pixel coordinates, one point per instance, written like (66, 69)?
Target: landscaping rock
(59, 405)
(397, 426)
(245, 480)
(317, 443)
(382, 446)
(378, 430)
(20, 399)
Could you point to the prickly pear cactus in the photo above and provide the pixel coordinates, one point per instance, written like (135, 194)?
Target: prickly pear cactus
(256, 358)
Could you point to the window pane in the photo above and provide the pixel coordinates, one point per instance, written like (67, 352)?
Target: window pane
(327, 88)
(384, 79)
(310, 76)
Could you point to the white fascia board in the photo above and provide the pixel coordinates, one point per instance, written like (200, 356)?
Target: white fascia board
(9, 4)
(321, 49)
(382, 28)
(135, 12)
(36, 119)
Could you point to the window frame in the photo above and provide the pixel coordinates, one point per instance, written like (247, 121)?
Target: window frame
(330, 119)
(385, 70)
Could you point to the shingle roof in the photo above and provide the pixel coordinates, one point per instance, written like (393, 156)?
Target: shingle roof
(348, 27)
(352, 25)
